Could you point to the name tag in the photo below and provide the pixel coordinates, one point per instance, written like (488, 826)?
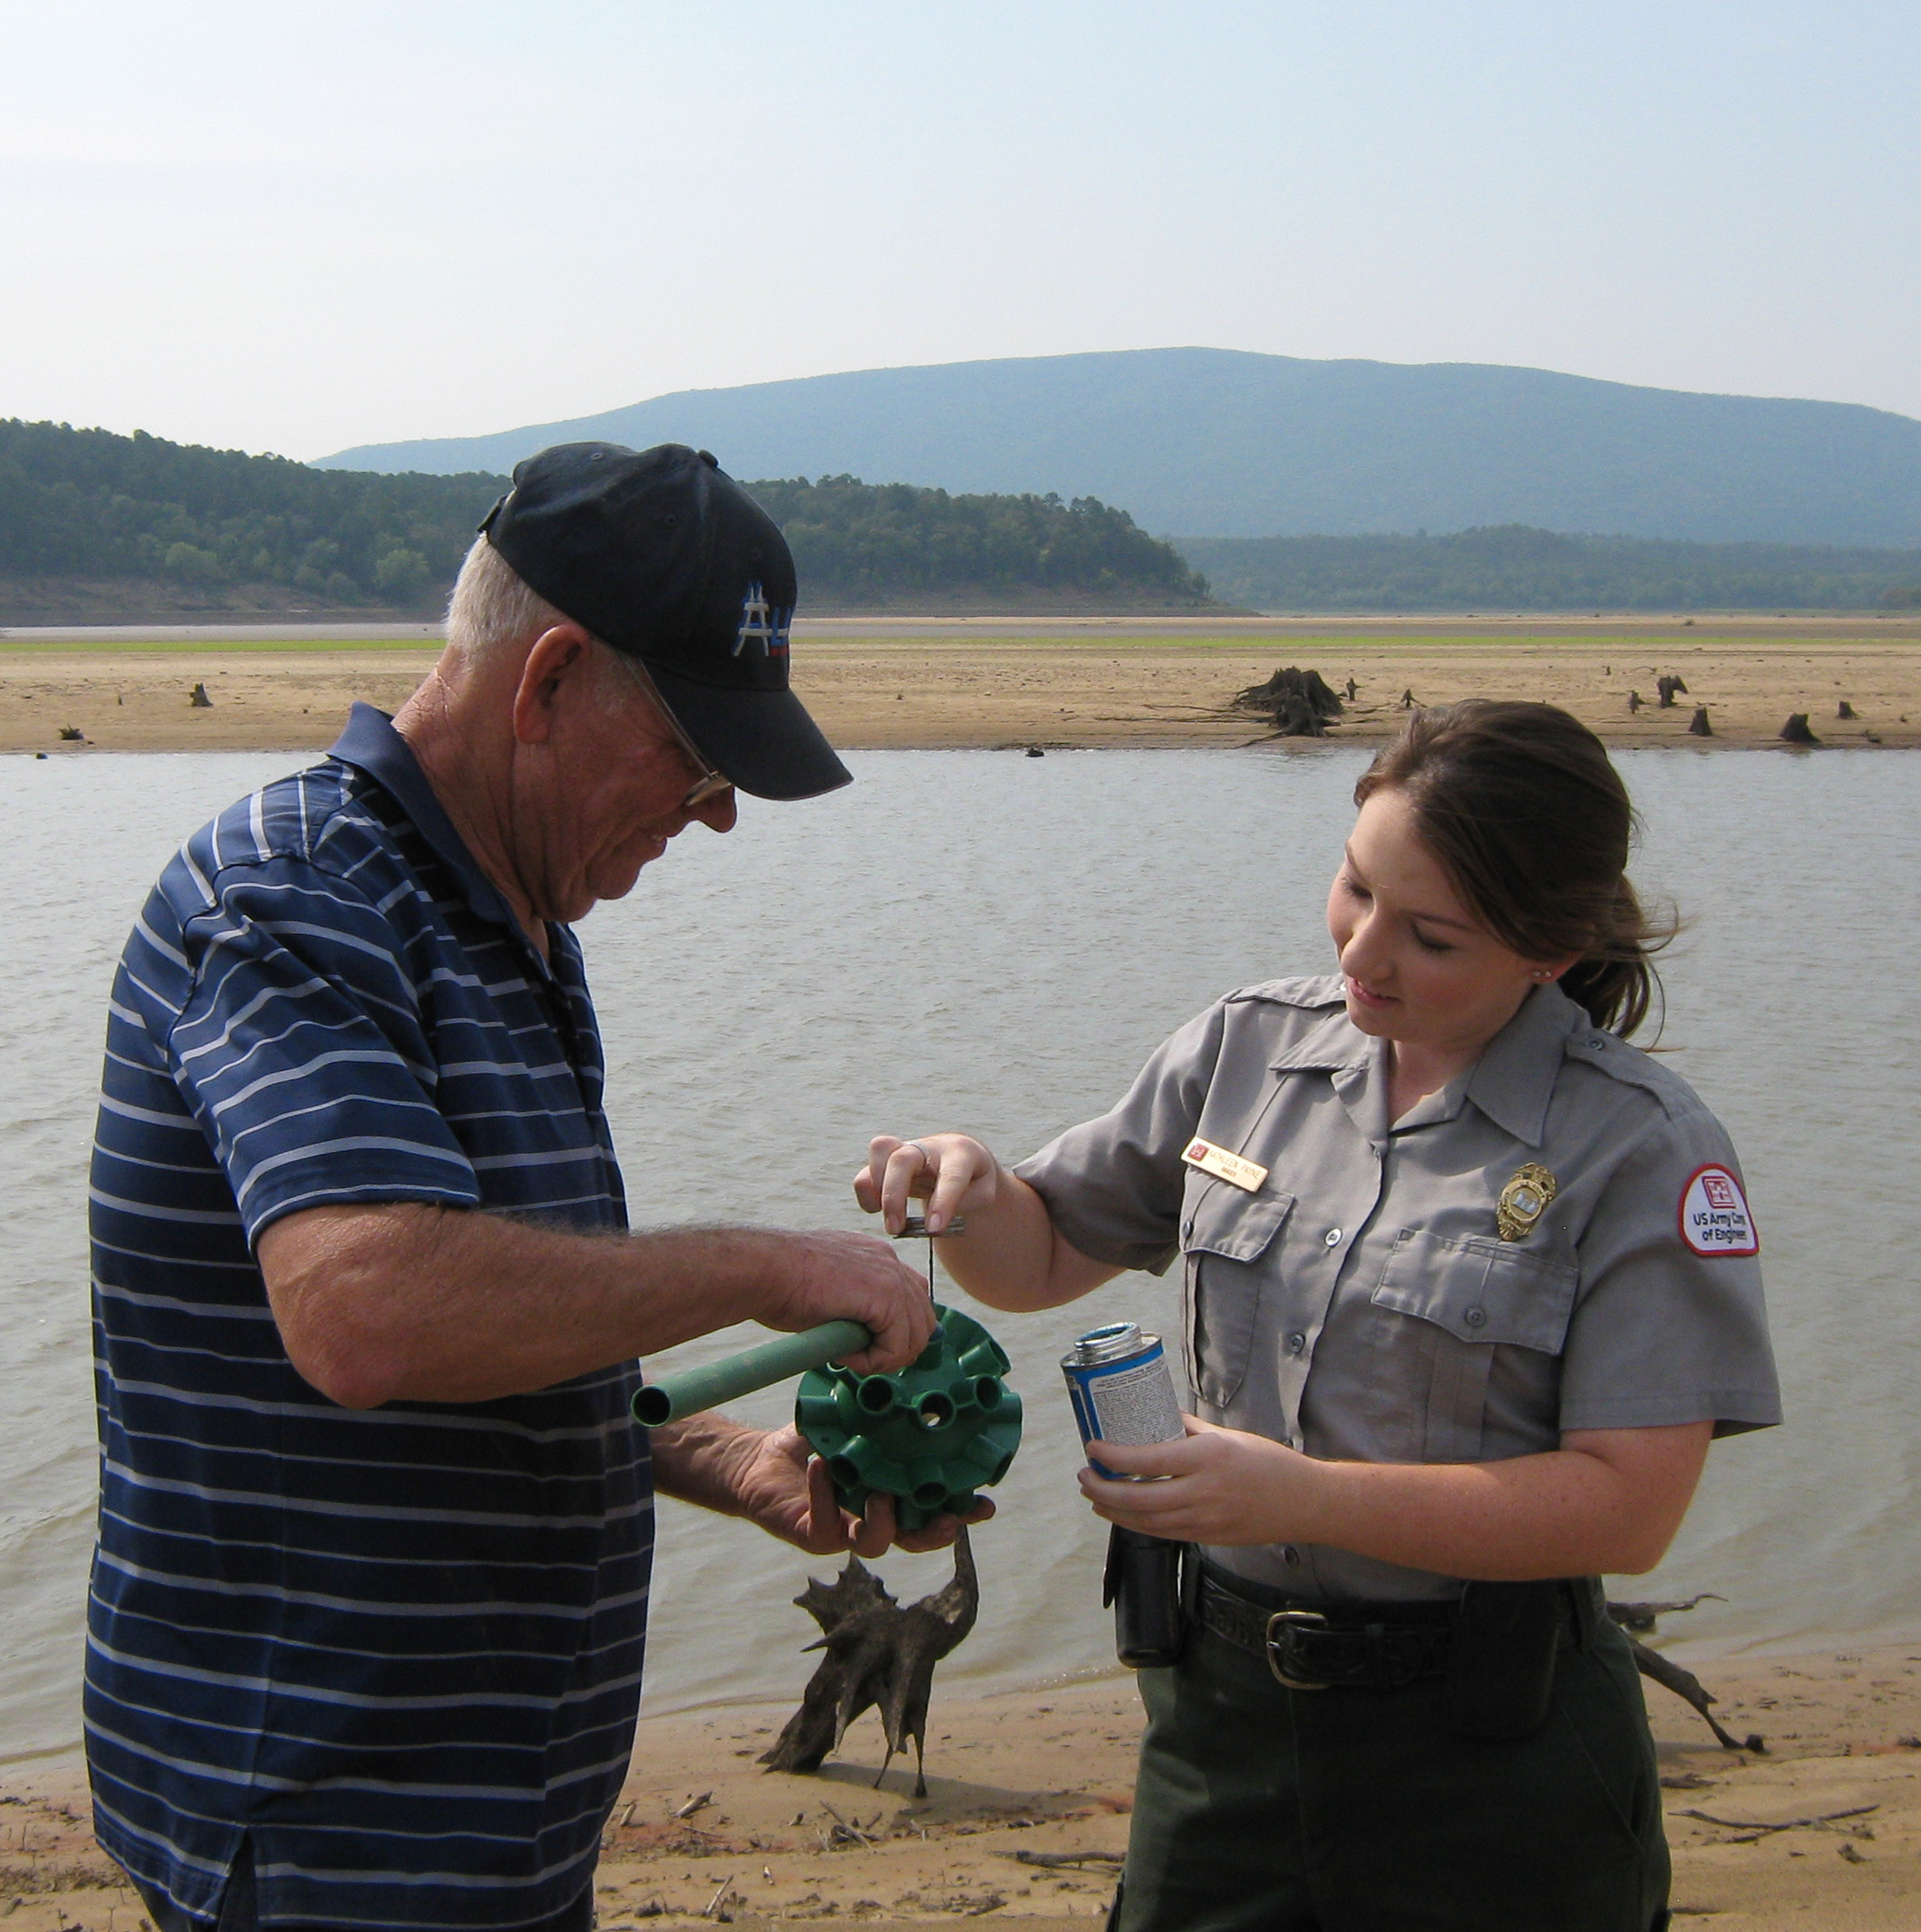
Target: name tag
(1224, 1166)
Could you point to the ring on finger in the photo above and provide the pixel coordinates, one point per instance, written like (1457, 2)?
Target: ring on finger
(927, 1159)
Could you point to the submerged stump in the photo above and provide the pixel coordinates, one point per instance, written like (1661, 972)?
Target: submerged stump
(880, 1656)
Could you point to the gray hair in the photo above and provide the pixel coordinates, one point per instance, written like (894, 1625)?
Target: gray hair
(492, 607)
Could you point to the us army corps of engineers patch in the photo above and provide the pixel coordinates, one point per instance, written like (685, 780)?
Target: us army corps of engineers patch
(1715, 1215)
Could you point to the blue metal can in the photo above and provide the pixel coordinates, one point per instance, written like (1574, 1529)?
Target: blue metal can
(1123, 1390)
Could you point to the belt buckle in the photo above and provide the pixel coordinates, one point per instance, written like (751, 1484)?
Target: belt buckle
(1293, 1620)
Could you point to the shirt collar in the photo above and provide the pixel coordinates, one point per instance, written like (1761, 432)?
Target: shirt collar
(1330, 1042)
(371, 745)
(1514, 1079)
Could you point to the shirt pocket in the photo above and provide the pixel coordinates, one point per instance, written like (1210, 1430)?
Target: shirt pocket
(1229, 1236)
(1473, 1297)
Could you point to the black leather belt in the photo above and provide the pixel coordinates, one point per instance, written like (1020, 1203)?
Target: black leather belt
(1332, 1646)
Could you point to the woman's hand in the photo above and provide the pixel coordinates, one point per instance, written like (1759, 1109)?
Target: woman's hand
(1010, 1255)
(1218, 1485)
(1606, 1502)
(953, 1174)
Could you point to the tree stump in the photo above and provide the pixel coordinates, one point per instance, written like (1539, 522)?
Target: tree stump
(1299, 703)
(1795, 732)
(879, 1656)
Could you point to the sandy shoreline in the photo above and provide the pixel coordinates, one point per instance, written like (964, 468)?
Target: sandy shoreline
(1020, 1780)
(990, 682)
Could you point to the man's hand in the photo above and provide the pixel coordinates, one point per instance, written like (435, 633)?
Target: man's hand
(404, 1300)
(771, 1477)
(829, 1276)
(784, 1488)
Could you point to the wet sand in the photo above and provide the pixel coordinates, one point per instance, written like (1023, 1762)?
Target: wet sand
(937, 683)
(1027, 1804)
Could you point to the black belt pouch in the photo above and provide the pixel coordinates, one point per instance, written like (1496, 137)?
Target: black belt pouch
(1150, 1582)
(1501, 1671)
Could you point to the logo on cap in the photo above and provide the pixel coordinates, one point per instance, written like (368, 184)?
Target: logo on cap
(761, 623)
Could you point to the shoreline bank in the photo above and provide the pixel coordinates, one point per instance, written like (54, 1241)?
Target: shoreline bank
(1030, 1794)
(956, 683)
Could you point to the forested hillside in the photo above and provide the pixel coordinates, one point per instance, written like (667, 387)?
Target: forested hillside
(875, 541)
(135, 526)
(87, 504)
(86, 507)
(1513, 568)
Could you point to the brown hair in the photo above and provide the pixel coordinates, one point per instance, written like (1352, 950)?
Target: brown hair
(1522, 805)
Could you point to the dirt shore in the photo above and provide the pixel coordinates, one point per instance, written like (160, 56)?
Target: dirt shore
(931, 683)
(1027, 1804)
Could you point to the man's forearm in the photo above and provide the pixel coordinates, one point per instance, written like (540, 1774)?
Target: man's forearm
(428, 1304)
(702, 1461)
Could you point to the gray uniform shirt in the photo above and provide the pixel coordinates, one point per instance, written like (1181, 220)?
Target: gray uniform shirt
(1361, 1305)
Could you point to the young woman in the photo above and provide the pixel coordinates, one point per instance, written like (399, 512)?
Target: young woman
(1461, 1317)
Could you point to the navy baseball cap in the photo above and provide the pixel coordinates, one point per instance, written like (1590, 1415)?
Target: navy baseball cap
(664, 556)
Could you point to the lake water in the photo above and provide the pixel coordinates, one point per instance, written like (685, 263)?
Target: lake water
(983, 940)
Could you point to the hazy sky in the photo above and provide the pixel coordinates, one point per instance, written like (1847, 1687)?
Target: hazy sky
(295, 227)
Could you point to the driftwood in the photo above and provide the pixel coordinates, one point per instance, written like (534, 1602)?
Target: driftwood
(879, 1656)
(1762, 1829)
(1670, 1676)
(1299, 703)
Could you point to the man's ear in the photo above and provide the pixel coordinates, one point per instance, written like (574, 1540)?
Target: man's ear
(559, 657)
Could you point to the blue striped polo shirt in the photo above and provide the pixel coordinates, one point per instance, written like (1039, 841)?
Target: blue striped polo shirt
(397, 1649)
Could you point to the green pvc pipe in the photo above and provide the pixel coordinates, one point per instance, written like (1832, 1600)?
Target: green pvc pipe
(693, 1389)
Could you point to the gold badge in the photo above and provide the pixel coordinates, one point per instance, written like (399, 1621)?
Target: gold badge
(1249, 1176)
(1524, 1201)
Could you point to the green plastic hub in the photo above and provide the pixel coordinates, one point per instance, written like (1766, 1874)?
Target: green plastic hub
(929, 1435)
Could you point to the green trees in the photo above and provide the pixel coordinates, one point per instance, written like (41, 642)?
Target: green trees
(84, 503)
(1514, 568)
(885, 540)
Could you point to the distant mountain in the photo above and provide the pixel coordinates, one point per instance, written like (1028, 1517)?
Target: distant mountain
(1217, 443)
(1513, 568)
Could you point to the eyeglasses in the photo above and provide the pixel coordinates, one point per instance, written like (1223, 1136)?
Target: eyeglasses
(712, 781)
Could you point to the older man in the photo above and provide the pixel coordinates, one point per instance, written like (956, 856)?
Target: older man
(369, 1599)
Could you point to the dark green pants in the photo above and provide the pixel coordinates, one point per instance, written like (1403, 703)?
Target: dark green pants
(1264, 1810)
